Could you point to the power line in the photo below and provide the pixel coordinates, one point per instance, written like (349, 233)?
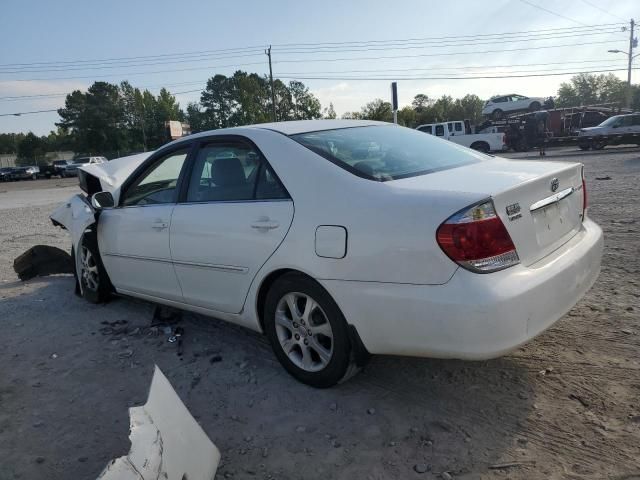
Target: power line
(434, 44)
(237, 51)
(131, 65)
(603, 10)
(391, 78)
(443, 54)
(356, 48)
(351, 59)
(586, 28)
(141, 57)
(551, 12)
(445, 67)
(19, 114)
(209, 67)
(387, 73)
(433, 68)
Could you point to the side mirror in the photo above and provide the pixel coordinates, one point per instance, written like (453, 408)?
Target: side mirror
(102, 200)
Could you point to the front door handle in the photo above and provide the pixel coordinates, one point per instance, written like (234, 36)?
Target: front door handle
(159, 225)
(265, 225)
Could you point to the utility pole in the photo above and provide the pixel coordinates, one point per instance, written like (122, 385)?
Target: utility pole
(144, 135)
(273, 93)
(632, 43)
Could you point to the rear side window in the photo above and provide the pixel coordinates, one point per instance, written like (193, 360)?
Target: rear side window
(387, 152)
(458, 126)
(439, 130)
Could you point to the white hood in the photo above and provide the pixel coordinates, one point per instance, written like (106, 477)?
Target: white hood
(112, 174)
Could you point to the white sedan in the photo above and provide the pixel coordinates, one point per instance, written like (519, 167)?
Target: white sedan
(339, 239)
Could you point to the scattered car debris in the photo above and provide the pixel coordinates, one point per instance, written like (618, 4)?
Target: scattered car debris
(42, 260)
(166, 441)
(606, 177)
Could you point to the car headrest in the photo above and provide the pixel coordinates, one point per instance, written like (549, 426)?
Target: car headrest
(227, 172)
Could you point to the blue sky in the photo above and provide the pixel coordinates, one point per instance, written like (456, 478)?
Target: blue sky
(65, 31)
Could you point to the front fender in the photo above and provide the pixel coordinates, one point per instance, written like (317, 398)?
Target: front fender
(75, 215)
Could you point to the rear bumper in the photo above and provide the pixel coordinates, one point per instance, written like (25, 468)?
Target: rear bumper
(473, 316)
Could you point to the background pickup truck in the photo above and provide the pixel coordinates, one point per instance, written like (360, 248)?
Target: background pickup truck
(56, 169)
(459, 133)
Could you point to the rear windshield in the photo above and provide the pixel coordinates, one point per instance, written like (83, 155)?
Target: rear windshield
(387, 152)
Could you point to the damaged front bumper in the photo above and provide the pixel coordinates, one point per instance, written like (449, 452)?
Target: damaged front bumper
(166, 441)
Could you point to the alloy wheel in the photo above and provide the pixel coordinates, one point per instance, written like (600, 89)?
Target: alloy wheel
(89, 269)
(304, 331)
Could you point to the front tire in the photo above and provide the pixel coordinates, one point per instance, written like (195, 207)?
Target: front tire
(497, 114)
(95, 285)
(534, 107)
(308, 332)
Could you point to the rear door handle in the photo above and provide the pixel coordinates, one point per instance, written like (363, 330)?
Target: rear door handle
(159, 225)
(265, 225)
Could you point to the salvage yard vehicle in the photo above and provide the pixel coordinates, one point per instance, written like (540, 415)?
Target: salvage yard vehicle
(6, 174)
(618, 130)
(410, 246)
(457, 132)
(497, 106)
(71, 170)
(25, 173)
(56, 169)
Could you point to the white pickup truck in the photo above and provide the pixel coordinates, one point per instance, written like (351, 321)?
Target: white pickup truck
(460, 133)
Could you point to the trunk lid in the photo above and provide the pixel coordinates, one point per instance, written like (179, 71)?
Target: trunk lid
(540, 203)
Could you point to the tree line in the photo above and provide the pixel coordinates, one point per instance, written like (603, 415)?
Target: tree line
(114, 120)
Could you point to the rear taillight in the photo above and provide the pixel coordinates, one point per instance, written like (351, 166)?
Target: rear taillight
(476, 239)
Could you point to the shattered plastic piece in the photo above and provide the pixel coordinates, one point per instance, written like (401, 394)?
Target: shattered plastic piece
(42, 260)
(166, 441)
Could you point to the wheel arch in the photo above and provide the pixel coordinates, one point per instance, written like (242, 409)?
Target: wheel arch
(360, 352)
(481, 143)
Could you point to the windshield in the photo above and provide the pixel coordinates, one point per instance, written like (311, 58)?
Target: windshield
(610, 121)
(387, 152)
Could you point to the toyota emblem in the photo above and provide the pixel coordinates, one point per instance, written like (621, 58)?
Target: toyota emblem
(554, 184)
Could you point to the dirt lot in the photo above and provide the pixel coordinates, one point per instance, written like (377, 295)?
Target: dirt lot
(567, 405)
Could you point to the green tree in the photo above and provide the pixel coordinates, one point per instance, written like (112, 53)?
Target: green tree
(329, 112)
(375, 110)
(31, 149)
(9, 142)
(590, 89)
(305, 105)
(95, 119)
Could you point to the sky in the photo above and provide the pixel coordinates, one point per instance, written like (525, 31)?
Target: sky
(67, 32)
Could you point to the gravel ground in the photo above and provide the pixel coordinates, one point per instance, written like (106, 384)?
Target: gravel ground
(567, 405)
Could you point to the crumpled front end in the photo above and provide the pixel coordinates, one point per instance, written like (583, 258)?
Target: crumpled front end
(166, 441)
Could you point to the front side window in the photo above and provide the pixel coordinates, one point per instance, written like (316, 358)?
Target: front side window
(426, 129)
(158, 184)
(387, 152)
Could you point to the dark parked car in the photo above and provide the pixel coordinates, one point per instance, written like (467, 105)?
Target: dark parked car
(25, 173)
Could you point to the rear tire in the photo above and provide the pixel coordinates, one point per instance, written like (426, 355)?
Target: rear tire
(94, 281)
(307, 331)
(534, 107)
(598, 145)
(481, 147)
(584, 147)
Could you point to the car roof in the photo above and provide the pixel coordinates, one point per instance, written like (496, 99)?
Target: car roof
(288, 128)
